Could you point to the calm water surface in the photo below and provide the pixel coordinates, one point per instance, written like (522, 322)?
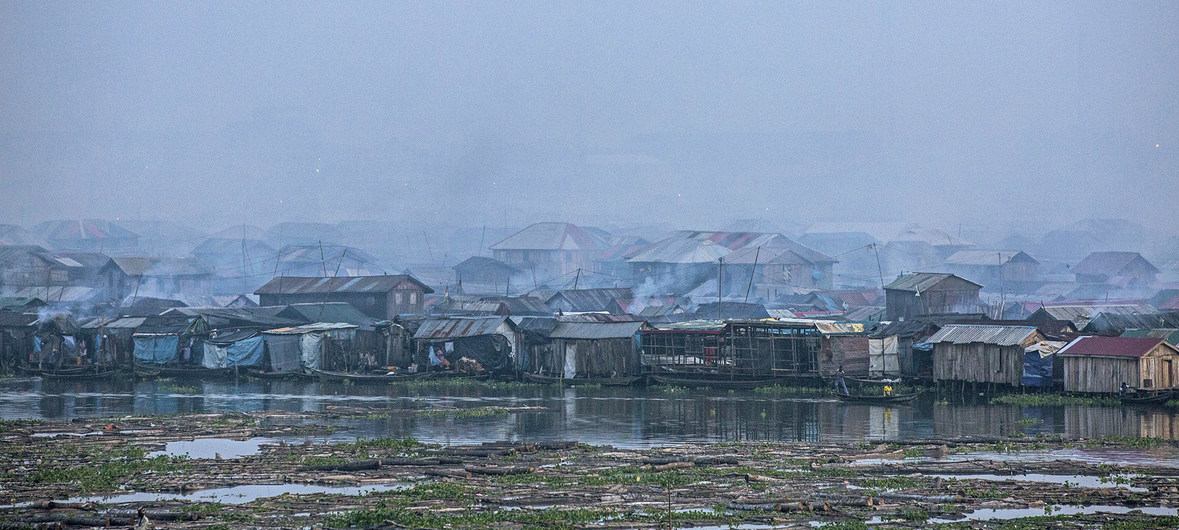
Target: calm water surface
(623, 417)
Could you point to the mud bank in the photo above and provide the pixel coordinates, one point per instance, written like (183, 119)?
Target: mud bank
(291, 470)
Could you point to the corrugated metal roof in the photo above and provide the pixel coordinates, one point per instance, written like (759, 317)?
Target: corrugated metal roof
(1113, 346)
(53, 295)
(161, 267)
(1170, 335)
(986, 257)
(329, 312)
(972, 333)
(459, 327)
(9, 319)
(339, 284)
(553, 236)
(595, 299)
(687, 246)
(921, 281)
(595, 330)
(1109, 263)
(311, 328)
(692, 325)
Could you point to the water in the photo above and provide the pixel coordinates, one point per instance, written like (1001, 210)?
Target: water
(239, 494)
(1001, 514)
(623, 417)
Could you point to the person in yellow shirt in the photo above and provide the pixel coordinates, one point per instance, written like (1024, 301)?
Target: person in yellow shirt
(888, 390)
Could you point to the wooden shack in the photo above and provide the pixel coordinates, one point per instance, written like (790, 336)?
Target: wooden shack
(589, 350)
(979, 353)
(1102, 364)
(926, 293)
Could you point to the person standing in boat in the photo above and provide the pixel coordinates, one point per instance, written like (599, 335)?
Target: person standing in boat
(1123, 390)
(840, 384)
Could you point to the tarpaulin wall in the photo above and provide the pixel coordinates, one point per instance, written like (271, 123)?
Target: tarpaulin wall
(284, 352)
(156, 349)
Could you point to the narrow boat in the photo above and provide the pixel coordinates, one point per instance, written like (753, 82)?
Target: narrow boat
(79, 374)
(1148, 397)
(373, 377)
(193, 371)
(714, 381)
(263, 374)
(604, 381)
(877, 398)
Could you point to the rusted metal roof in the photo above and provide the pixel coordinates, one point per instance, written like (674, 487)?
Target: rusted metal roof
(1114, 346)
(595, 330)
(981, 333)
(458, 327)
(338, 284)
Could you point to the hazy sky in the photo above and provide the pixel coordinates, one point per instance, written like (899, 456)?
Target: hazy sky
(217, 113)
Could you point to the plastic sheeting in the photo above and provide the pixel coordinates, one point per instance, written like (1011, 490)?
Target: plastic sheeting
(216, 357)
(1037, 369)
(882, 357)
(246, 352)
(156, 349)
(311, 348)
(284, 352)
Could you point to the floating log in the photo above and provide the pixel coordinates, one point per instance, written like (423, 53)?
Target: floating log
(484, 470)
(356, 465)
(452, 473)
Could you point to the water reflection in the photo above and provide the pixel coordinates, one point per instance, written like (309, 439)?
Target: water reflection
(623, 417)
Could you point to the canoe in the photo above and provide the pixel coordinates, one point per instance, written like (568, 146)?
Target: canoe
(262, 374)
(713, 381)
(604, 381)
(1148, 397)
(192, 371)
(877, 398)
(79, 374)
(374, 377)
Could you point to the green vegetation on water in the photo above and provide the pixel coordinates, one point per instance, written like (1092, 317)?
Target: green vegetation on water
(1054, 400)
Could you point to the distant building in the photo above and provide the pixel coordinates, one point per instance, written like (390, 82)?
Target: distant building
(28, 266)
(551, 251)
(158, 277)
(485, 272)
(614, 301)
(927, 293)
(324, 260)
(89, 235)
(1120, 268)
(684, 260)
(380, 297)
(1005, 270)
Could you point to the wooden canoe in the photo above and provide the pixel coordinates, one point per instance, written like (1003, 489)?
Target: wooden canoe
(1148, 397)
(892, 399)
(604, 381)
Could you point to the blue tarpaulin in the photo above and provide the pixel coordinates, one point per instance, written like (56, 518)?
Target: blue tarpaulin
(156, 349)
(1037, 369)
(246, 352)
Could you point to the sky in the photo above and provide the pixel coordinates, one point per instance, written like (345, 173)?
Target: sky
(691, 114)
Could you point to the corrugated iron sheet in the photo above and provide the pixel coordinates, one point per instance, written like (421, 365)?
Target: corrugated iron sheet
(340, 284)
(921, 281)
(595, 330)
(971, 333)
(457, 328)
(1113, 346)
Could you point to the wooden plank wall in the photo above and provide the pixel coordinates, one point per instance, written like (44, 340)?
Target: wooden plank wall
(1099, 374)
(978, 363)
